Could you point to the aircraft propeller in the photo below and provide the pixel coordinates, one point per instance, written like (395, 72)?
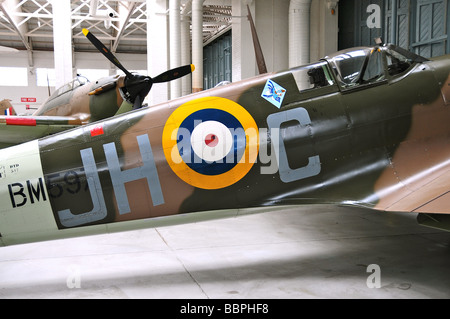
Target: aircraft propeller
(137, 86)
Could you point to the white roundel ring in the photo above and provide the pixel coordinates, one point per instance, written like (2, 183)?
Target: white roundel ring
(211, 141)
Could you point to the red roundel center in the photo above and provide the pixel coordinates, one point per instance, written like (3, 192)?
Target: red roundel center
(211, 140)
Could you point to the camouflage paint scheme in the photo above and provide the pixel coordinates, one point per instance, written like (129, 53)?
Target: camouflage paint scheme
(76, 103)
(83, 101)
(383, 144)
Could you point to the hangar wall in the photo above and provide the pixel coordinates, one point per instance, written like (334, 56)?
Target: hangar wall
(271, 17)
(271, 20)
(15, 93)
(420, 26)
(217, 61)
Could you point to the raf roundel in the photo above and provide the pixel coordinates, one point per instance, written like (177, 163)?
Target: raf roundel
(211, 142)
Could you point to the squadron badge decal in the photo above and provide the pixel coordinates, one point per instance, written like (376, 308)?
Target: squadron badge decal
(274, 93)
(211, 142)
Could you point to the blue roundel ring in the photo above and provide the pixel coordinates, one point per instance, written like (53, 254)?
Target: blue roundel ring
(200, 162)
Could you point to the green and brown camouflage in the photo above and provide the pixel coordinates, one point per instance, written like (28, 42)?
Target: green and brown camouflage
(87, 101)
(76, 103)
(364, 127)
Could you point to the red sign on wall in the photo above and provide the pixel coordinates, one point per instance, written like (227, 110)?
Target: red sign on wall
(28, 99)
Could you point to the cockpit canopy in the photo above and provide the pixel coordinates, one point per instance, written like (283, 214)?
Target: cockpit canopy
(365, 65)
(70, 86)
(355, 68)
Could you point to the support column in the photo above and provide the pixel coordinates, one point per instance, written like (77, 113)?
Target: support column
(324, 28)
(175, 45)
(62, 37)
(186, 81)
(394, 22)
(197, 45)
(157, 48)
(273, 32)
(299, 29)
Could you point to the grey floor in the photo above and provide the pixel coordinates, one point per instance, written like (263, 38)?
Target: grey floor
(311, 252)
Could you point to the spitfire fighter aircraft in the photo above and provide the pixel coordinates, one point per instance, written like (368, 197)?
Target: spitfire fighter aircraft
(364, 127)
(80, 102)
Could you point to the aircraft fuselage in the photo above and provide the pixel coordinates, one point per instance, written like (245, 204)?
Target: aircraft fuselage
(251, 146)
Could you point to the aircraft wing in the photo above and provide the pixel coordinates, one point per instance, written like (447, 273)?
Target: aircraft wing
(19, 129)
(426, 190)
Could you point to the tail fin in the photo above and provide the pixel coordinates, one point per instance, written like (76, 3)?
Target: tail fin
(6, 108)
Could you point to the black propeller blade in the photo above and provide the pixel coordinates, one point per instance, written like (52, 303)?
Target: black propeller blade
(104, 50)
(137, 86)
(174, 74)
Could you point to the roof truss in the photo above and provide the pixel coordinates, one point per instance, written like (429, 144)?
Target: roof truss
(120, 24)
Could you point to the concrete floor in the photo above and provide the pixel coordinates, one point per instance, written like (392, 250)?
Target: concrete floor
(310, 252)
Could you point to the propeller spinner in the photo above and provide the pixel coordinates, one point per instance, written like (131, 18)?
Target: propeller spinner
(137, 86)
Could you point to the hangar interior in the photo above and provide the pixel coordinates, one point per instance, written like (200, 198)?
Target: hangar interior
(44, 50)
(323, 252)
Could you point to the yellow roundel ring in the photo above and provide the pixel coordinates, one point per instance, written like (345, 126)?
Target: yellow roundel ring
(200, 131)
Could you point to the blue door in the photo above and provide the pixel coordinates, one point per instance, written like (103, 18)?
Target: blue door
(430, 36)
